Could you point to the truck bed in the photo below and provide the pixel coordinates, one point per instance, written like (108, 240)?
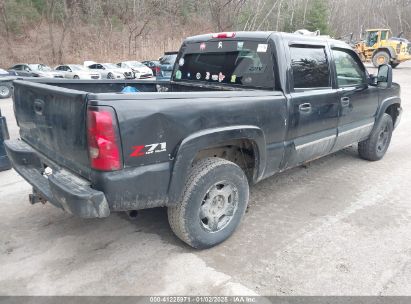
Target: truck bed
(52, 115)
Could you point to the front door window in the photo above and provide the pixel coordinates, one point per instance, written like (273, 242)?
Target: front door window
(349, 71)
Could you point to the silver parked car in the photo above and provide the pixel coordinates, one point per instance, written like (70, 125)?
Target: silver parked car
(140, 70)
(77, 71)
(35, 70)
(111, 71)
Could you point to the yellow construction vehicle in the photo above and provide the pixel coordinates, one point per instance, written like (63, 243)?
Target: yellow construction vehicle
(380, 48)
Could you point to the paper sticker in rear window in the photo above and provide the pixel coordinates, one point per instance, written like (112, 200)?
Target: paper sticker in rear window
(262, 48)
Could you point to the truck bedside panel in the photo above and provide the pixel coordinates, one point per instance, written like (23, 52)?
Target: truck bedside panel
(135, 188)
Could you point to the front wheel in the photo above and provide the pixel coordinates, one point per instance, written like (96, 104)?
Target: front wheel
(110, 76)
(380, 58)
(214, 200)
(76, 77)
(376, 145)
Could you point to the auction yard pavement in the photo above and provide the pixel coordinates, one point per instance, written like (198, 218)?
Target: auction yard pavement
(339, 226)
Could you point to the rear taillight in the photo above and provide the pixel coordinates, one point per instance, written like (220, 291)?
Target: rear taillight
(102, 135)
(158, 70)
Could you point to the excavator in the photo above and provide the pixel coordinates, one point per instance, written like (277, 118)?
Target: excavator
(380, 48)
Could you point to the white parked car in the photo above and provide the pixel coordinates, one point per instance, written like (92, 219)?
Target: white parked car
(77, 71)
(140, 70)
(111, 71)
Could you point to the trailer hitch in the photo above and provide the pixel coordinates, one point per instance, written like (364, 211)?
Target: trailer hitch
(35, 198)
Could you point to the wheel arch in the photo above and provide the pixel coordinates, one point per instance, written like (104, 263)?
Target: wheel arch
(207, 142)
(390, 106)
(388, 49)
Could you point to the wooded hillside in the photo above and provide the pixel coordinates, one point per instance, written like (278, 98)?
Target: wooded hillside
(70, 31)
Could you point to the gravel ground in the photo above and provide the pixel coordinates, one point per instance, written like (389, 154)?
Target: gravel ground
(339, 226)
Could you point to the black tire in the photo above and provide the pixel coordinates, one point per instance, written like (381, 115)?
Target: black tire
(76, 77)
(394, 65)
(202, 196)
(5, 90)
(376, 145)
(110, 76)
(380, 58)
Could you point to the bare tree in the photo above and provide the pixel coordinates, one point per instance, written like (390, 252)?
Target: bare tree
(5, 23)
(63, 17)
(108, 30)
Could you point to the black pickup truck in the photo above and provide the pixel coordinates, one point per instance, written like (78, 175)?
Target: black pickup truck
(239, 108)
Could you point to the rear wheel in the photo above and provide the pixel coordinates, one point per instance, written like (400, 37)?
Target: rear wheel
(214, 200)
(76, 77)
(380, 58)
(376, 145)
(5, 90)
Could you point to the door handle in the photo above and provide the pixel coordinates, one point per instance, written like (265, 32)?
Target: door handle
(345, 101)
(305, 107)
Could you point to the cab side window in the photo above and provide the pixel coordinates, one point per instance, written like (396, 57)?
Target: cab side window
(350, 72)
(310, 67)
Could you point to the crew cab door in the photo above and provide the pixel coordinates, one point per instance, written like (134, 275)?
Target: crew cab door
(314, 104)
(358, 100)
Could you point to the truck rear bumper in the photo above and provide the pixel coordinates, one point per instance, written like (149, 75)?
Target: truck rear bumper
(61, 188)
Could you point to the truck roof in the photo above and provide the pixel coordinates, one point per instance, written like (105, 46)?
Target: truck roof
(260, 35)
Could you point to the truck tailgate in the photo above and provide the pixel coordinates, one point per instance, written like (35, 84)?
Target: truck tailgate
(53, 121)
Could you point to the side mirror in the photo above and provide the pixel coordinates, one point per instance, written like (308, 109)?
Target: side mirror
(384, 78)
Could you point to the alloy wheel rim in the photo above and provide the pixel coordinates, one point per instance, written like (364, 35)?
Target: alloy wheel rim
(4, 91)
(381, 60)
(218, 206)
(382, 139)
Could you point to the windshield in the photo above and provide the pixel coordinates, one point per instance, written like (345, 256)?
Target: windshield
(109, 66)
(168, 59)
(78, 68)
(40, 67)
(246, 63)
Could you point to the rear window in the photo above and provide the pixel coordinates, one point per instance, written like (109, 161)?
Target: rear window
(242, 63)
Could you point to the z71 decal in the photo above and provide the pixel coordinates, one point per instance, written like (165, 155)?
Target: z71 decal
(148, 149)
